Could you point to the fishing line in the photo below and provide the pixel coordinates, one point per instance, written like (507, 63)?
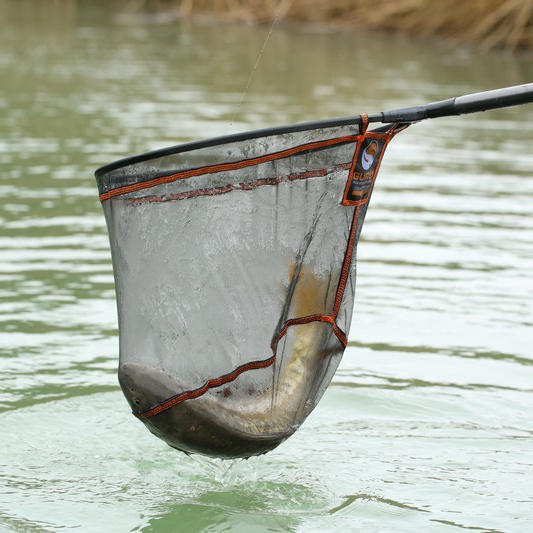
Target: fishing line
(278, 11)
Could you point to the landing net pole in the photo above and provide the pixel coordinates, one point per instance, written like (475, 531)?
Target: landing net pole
(460, 105)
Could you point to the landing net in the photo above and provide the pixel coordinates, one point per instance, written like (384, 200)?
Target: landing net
(235, 263)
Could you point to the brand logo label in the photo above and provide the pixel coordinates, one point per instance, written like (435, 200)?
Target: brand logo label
(369, 155)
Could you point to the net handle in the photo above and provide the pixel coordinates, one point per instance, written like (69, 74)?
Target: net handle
(461, 105)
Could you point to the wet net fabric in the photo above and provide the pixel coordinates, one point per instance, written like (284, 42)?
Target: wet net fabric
(235, 277)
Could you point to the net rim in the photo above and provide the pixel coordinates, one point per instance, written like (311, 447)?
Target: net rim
(235, 137)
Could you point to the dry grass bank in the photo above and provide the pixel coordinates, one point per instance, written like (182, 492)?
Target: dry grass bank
(487, 23)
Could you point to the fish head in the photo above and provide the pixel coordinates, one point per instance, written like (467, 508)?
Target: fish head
(145, 387)
(193, 426)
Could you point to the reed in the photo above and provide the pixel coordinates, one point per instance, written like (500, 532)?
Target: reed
(487, 23)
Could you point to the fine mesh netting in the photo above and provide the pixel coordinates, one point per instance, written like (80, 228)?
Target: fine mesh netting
(235, 276)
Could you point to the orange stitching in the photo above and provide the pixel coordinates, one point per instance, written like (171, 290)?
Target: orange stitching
(231, 187)
(225, 166)
(226, 378)
(364, 123)
(209, 384)
(345, 265)
(302, 320)
(340, 334)
(204, 192)
(306, 320)
(309, 174)
(349, 250)
(254, 365)
(351, 173)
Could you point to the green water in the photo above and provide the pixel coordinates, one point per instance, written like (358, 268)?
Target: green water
(427, 425)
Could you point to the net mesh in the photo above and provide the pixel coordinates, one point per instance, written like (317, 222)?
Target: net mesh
(235, 276)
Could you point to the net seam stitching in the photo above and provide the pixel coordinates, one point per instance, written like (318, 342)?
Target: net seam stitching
(216, 191)
(213, 169)
(209, 384)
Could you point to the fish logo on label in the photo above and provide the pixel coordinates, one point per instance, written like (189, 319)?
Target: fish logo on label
(369, 154)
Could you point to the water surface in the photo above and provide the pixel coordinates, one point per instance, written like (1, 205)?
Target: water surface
(427, 425)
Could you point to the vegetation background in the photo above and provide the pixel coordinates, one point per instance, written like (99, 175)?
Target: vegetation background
(486, 23)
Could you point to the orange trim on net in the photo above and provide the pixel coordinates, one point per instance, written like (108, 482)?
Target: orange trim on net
(351, 174)
(396, 128)
(203, 192)
(346, 265)
(209, 384)
(330, 319)
(245, 186)
(364, 123)
(306, 320)
(226, 378)
(224, 167)
(340, 334)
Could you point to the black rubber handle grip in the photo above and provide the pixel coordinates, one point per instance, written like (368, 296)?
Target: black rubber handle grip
(461, 105)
